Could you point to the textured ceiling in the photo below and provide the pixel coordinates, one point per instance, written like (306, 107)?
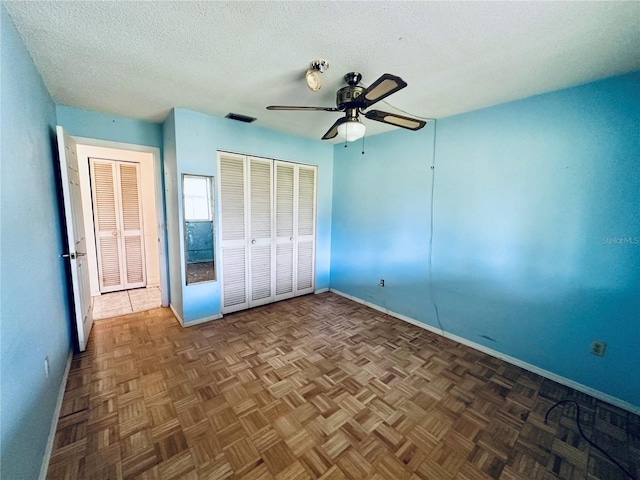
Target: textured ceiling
(140, 59)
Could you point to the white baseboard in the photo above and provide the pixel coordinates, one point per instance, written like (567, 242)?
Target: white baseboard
(178, 316)
(321, 290)
(198, 321)
(512, 360)
(54, 421)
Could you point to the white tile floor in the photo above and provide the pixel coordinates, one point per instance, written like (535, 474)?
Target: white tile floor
(120, 303)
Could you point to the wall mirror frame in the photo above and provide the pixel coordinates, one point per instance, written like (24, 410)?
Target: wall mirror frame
(199, 228)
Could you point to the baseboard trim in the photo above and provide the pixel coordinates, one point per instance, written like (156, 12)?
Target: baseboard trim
(54, 421)
(199, 321)
(512, 360)
(175, 312)
(321, 290)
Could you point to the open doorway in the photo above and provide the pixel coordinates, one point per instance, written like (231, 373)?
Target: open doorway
(149, 288)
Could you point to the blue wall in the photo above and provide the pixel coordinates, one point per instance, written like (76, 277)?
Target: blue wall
(380, 224)
(102, 126)
(174, 256)
(32, 241)
(529, 199)
(198, 138)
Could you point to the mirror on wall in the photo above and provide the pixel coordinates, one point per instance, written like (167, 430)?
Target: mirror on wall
(197, 201)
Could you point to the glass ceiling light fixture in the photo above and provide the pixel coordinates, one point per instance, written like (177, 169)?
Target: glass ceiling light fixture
(351, 129)
(312, 77)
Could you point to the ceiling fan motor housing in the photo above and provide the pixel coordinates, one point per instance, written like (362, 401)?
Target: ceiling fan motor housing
(347, 97)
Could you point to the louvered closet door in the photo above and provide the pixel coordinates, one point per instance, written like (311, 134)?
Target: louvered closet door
(305, 229)
(118, 225)
(284, 207)
(261, 281)
(132, 234)
(234, 263)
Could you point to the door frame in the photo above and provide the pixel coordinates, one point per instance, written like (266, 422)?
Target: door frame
(158, 194)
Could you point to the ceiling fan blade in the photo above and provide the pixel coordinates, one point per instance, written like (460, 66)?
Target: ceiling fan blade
(382, 88)
(292, 107)
(397, 120)
(333, 131)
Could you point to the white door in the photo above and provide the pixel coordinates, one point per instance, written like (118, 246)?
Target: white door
(233, 244)
(267, 220)
(260, 247)
(76, 242)
(305, 229)
(284, 208)
(117, 211)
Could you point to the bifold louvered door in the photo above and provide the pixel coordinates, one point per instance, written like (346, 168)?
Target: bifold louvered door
(119, 232)
(284, 208)
(295, 213)
(261, 280)
(305, 229)
(233, 243)
(267, 220)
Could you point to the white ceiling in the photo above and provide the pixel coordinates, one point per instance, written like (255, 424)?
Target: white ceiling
(140, 59)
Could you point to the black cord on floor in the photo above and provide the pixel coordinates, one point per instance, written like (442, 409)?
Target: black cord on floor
(546, 417)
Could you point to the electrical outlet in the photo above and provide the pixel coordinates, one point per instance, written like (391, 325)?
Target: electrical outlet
(598, 347)
(382, 282)
(46, 366)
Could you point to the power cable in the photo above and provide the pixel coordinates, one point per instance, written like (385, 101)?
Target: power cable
(399, 109)
(546, 417)
(431, 215)
(433, 178)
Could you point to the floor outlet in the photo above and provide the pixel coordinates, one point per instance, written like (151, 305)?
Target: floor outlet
(46, 366)
(598, 347)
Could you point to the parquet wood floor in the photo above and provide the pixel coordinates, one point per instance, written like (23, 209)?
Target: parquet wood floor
(318, 387)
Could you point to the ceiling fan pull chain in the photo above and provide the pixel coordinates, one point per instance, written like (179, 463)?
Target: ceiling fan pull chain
(363, 145)
(346, 129)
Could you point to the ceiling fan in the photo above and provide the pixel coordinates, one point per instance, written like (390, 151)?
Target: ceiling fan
(354, 99)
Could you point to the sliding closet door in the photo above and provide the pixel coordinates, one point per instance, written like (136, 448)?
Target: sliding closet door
(305, 229)
(261, 280)
(284, 207)
(234, 265)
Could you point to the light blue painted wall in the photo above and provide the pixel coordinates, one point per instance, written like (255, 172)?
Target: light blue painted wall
(172, 216)
(198, 138)
(114, 128)
(526, 195)
(32, 242)
(380, 225)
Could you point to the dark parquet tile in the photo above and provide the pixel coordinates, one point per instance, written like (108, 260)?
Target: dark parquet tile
(319, 387)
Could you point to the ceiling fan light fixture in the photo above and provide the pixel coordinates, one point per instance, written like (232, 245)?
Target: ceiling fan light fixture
(352, 130)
